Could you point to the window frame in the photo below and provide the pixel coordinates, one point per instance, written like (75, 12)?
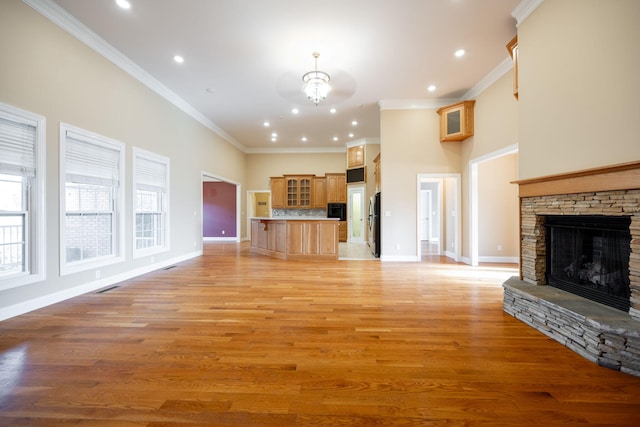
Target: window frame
(118, 200)
(35, 218)
(139, 153)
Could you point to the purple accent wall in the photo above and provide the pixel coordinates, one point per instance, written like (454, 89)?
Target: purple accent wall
(219, 209)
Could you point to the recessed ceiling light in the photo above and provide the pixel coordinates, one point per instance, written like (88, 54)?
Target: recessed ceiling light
(354, 123)
(303, 139)
(274, 139)
(335, 138)
(179, 59)
(274, 135)
(431, 88)
(350, 135)
(459, 53)
(123, 4)
(295, 111)
(266, 124)
(332, 111)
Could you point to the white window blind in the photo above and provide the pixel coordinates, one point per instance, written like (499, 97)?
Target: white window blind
(90, 162)
(151, 175)
(17, 147)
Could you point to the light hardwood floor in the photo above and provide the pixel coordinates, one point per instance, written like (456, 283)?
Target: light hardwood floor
(237, 339)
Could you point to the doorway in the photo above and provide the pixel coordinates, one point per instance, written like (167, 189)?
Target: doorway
(258, 205)
(438, 215)
(220, 212)
(356, 215)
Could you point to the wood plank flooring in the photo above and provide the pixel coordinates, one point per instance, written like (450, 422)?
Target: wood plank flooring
(237, 339)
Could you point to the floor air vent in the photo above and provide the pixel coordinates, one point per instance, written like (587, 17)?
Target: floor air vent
(107, 290)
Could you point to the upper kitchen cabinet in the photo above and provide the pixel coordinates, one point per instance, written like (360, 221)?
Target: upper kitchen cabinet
(299, 191)
(456, 121)
(355, 156)
(512, 48)
(320, 192)
(277, 192)
(336, 188)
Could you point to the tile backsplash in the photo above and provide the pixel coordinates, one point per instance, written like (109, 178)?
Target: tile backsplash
(316, 213)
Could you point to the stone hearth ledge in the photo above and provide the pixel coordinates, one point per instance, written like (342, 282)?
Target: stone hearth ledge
(604, 335)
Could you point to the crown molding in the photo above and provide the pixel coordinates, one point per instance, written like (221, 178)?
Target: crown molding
(489, 79)
(67, 22)
(414, 104)
(296, 150)
(363, 141)
(524, 9)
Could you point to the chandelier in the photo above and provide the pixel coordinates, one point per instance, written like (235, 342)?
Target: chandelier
(316, 83)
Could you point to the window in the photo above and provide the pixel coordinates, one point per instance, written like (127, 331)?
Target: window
(151, 200)
(22, 244)
(92, 221)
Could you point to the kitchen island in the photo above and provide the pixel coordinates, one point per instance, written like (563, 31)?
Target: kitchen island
(305, 238)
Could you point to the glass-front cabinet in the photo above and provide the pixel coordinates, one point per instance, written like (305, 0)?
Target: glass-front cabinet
(456, 121)
(299, 191)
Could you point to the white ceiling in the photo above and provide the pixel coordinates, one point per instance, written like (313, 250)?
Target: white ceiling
(244, 59)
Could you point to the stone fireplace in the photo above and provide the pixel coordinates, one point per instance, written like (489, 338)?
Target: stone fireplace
(606, 335)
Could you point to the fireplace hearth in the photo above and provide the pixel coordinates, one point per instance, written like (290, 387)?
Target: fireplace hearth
(588, 255)
(573, 274)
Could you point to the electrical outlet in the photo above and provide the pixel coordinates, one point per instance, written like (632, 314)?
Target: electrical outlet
(98, 274)
(223, 232)
(499, 248)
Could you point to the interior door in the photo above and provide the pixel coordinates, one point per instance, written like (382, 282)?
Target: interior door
(356, 215)
(425, 215)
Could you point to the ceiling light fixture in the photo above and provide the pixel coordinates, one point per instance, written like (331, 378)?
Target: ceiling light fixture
(123, 4)
(316, 83)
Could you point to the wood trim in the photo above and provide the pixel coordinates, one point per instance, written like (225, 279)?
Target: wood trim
(624, 176)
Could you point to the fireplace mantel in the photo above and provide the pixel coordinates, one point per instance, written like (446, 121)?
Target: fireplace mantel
(624, 176)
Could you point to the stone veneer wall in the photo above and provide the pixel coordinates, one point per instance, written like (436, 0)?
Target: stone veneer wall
(617, 203)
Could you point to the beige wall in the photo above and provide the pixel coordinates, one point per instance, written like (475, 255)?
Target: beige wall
(498, 209)
(496, 129)
(578, 71)
(409, 145)
(260, 167)
(49, 72)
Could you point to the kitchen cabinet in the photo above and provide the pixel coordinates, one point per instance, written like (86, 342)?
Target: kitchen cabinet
(320, 192)
(299, 192)
(342, 231)
(355, 156)
(512, 48)
(295, 238)
(336, 188)
(277, 192)
(376, 172)
(456, 121)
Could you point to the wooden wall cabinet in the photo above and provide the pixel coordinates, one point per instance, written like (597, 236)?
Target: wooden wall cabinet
(512, 48)
(277, 192)
(336, 188)
(355, 156)
(376, 172)
(299, 191)
(320, 192)
(456, 121)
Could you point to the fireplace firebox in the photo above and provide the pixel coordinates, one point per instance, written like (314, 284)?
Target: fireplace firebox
(588, 255)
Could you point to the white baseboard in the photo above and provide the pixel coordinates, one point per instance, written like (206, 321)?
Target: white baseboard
(220, 239)
(499, 259)
(45, 300)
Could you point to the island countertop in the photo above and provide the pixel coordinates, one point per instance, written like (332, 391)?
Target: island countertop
(295, 237)
(294, 218)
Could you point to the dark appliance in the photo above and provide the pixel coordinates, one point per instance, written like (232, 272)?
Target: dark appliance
(356, 175)
(374, 225)
(337, 210)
